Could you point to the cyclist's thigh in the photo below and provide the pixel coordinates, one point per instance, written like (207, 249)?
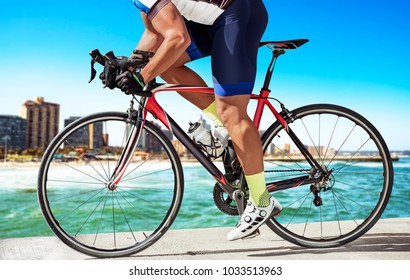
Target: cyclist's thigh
(255, 29)
(236, 35)
(201, 42)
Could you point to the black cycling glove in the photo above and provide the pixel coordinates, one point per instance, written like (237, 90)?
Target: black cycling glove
(130, 83)
(108, 76)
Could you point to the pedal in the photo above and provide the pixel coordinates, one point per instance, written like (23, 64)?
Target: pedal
(254, 234)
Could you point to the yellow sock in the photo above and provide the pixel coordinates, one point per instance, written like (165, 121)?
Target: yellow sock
(210, 111)
(258, 194)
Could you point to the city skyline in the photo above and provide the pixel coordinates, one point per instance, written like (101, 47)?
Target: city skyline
(26, 137)
(201, 118)
(356, 57)
(94, 138)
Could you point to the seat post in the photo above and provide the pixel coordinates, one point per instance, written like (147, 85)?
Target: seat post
(275, 54)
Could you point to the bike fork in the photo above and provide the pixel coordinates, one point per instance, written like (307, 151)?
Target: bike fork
(134, 130)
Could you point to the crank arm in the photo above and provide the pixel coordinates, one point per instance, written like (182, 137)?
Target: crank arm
(239, 198)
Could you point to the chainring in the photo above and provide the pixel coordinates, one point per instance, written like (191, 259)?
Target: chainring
(224, 203)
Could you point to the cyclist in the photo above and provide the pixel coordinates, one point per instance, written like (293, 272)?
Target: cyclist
(179, 31)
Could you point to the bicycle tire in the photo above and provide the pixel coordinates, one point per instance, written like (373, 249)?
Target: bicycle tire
(99, 221)
(358, 190)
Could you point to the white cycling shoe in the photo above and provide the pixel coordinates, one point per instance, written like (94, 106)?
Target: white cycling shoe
(252, 218)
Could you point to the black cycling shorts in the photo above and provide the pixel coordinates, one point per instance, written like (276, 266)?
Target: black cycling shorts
(233, 42)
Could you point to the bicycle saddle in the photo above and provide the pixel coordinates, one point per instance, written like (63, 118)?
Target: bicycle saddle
(288, 44)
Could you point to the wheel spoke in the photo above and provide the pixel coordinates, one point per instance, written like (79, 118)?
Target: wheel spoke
(89, 216)
(79, 206)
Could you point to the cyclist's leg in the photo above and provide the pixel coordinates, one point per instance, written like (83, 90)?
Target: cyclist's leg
(233, 113)
(234, 68)
(246, 139)
(236, 37)
(183, 75)
(179, 73)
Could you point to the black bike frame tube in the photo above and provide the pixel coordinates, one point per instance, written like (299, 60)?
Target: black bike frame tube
(290, 183)
(159, 113)
(303, 150)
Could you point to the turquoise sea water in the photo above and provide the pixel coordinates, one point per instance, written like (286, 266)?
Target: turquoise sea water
(20, 214)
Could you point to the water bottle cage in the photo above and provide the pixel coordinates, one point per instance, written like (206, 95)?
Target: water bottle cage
(212, 149)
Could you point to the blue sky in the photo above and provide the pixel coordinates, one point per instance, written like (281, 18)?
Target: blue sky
(358, 56)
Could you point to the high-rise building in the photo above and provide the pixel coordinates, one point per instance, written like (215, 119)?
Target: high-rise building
(13, 131)
(287, 148)
(42, 122)
(91, 137)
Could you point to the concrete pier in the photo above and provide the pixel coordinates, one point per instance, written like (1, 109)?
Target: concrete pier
(389, 239)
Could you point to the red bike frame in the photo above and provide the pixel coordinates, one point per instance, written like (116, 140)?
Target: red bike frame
(153, 107)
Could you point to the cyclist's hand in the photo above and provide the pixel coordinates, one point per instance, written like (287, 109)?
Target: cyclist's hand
(108, 77)
(130, 83)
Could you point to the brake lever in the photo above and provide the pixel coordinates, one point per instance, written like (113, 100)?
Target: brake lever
(93, 72)
(109, 75)
(95, 57)
(114, 65)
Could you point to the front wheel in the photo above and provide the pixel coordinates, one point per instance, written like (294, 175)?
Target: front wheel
(86, 209)
(350, 199)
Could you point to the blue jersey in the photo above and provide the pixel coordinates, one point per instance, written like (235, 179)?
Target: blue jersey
(200, 11)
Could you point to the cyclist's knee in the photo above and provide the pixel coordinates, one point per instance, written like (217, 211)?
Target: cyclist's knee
(223, 114)
(232, 109)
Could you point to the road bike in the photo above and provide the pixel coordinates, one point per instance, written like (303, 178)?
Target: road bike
(327, 165)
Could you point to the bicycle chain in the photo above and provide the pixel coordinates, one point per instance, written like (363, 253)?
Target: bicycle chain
(295, 170)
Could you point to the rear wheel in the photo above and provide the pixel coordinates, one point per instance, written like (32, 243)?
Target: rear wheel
(346, 203)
